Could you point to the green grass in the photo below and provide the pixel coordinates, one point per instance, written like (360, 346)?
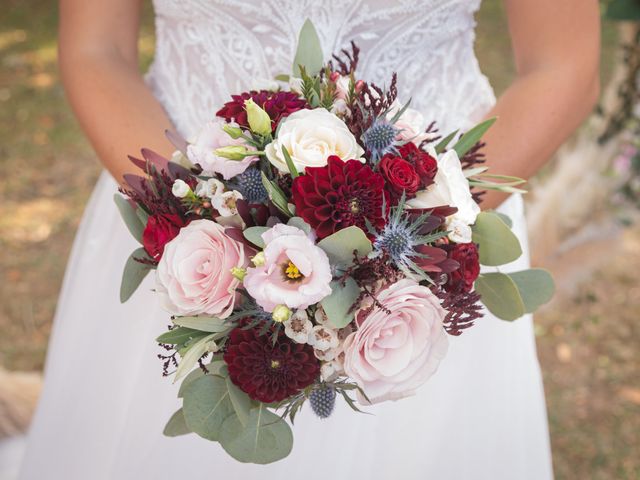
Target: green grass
(49, 170)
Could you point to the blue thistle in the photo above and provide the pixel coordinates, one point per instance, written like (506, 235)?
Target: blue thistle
(323, 401)
(401, 236)
(249, 184)
(379, 138)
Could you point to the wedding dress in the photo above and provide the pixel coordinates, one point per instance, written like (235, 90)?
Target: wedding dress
(105, 403)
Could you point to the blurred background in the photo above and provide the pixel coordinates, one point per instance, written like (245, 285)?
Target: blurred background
(583, 213)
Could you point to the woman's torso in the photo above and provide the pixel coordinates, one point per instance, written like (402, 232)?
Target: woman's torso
(209, 49)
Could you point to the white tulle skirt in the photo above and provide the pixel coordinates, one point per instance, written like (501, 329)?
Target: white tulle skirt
(105, 402)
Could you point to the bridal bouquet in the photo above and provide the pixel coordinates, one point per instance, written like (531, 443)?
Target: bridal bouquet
(315, 242)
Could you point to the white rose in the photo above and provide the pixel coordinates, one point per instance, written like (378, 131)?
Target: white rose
(180, 189)
(459, 231)
(411, 123)
(310, 137)
(450, 188)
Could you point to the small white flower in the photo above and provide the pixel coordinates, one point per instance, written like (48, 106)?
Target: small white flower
(180, 189)
(321, 317)
(323, 338)
(330, 370)
(459, 231)
(326, 355)
(209, 188)
(298, 327)
(225, 203)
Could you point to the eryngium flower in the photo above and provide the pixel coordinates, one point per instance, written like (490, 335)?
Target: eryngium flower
(268, 371)
(250, 185)
(379, 139)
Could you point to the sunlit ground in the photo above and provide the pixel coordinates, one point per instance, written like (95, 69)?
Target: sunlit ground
(587, 343)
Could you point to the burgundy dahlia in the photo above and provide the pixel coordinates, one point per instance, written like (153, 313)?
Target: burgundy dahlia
(461, 280)
(160, 230)
(339, 195)
(277, 105)
(267, 372)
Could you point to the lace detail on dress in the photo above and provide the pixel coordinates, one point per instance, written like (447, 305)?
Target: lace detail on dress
(208, 49)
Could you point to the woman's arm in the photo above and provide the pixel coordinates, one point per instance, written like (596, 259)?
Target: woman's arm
(98, 42)
(557, 51)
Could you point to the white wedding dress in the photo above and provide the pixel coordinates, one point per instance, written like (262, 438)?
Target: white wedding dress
(105, 403)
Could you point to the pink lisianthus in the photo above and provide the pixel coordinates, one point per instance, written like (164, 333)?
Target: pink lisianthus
(202, 151)
(295, 272)
(194, 274)
(393, 353)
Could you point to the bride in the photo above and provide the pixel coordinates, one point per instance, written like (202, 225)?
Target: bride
(105, 403)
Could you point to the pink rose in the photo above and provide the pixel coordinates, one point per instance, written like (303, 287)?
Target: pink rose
(194, 274)
(211, 137)
(391, 354)
(295, 272)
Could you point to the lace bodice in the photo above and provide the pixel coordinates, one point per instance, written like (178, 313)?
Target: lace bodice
(209, 49)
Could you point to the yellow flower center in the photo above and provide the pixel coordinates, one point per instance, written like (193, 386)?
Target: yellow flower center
(354, 205)
(275, 364)
(291, 272)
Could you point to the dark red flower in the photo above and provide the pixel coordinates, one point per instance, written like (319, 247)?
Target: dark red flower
(160, 230)
(425, 165)
(340, 194)
(461, 280)
(277, 105)
(400, 176)
(267, 372)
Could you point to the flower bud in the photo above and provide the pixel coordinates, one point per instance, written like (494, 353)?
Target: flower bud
(233, 152)
(259, 120)
(180, 189)
(233, 132)
(239, 273)
(281, 313)
(258, 259)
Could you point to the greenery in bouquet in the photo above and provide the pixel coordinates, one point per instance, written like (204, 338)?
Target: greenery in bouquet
(317, 240)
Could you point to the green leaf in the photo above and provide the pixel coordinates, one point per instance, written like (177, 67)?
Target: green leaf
(204, 324)
(130, 217)
(283, 77)
(276, 195)
(176, 425)
(498, 244)
(179, 336)
(340, 246)
(240, 401)
(254, 235)
(290, 165)
(266, 438)
(536, 287)
(473, 136)
(505, 218)
(142, 215)
(300, 223)
(193, 375)
(338, 304)
(309, 52)
(206, 405)
(442, 145)
(500, 295)
(133, 274)
(192, 355)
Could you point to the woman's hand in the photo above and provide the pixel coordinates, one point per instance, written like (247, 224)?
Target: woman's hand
(98, 51)
(557, 53)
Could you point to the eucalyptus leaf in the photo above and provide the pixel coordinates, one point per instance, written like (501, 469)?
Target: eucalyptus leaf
(340, 246)
(142, 215)
(179, 336)
(536, 287)
(204, 324)
(176, 425)
(500, 295)
(133, 274)
(130, 217)
(192, 355)
(505, 218)
(193, 375)
(498, 244)
(266, 438)
(254, 235)
(338, 304)
(309, 51)
(240, 401)
(300, 223)
(442, 145)
(206, 405)
(473, 136)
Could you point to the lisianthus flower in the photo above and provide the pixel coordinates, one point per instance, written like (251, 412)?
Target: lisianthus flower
(396, 349)
(295, 272)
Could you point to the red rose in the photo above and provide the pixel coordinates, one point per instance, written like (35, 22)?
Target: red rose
(160, 230)
(466, 254)
(425, 165)
(400, 177)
